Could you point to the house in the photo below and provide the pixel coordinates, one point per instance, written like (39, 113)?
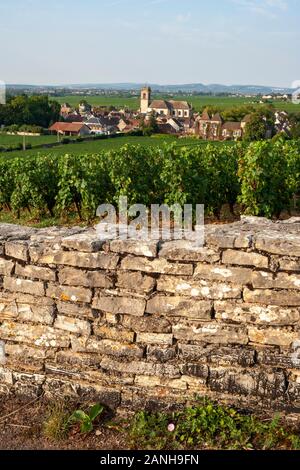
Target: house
(65, 109)
(128, 125)
(214, 128)
(70, 128)
(177, 109)
(102, 124)
(232, 130)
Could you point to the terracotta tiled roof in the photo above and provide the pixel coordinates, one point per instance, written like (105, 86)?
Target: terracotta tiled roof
(205, 116)
(179, 104)
(67, 126)
(231, 126)
(217, 118)
(159, 104)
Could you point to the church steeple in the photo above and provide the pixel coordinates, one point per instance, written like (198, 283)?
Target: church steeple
(145, 99)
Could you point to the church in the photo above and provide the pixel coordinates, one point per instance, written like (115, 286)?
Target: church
(175, 109)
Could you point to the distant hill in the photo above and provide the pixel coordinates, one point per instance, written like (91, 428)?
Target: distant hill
(186, 88)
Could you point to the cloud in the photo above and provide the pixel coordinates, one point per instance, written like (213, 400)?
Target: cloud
(267, 8)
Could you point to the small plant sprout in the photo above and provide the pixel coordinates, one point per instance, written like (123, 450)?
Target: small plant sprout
(86, 420)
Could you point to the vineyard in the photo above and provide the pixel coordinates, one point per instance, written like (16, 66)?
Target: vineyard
(261, 177)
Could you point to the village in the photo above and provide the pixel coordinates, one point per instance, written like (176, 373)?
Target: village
(172, 117)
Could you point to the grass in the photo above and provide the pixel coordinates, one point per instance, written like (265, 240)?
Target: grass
(56, 425)
(198, 102)
(96, 146)
(7, 140)
(206, 425)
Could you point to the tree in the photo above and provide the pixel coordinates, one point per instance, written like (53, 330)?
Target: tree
(257, 127)
(149, 126)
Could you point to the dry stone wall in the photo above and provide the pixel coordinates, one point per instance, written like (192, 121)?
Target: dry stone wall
(146, 324)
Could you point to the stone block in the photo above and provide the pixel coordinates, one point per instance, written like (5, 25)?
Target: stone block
(159, 265)
(135, 281)
(214, 333)
(201, 289)
(6, 267)
(87, 242)
(185, 250)
(135, 247)
(180, 307)
(147, 324)
(73, 325)
(69, 294)
(35, 272)
(259, 314)
(24, 286)
(38, 335)
(114, 304)
(17, 250)
(238, 276)
(155, 338)
(78, 277)
(272, 297)
(243, 258)
(273, 336)
(87, 260)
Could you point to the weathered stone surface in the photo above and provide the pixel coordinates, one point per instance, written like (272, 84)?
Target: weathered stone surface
(251, 313)
(272, 297)
(288, 245)
(150, 324)
(161, 266)
(243, 258)
(286, 264)
(201, 289)
(73, 325)
(180, 307)
(107, 303)
(87, 260)
(273, 336)
(39, 335)
(36, 313)
(69, 294)
(77, 277)
(196, 370)
(238, 276)
(6, 376)
(221, 355)
(77, 360)
(135, 247)
(155, 338)
(271, 357)
(135, 281)
(35, 272)
(110, 332)
(86, 242)
(185, 250)
(211, 333)
(42, 254)
(60, 388)
(141, 368)
(27, 353)
(6, 267)
(264, 280)
(160, 354)
(247, 382)
(107, 347)
(24, 286)
(76, 310)
(17, 250)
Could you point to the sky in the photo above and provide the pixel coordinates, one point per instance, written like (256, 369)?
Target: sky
(150, 41)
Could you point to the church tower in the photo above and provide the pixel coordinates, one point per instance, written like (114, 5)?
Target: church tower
(145, 99)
